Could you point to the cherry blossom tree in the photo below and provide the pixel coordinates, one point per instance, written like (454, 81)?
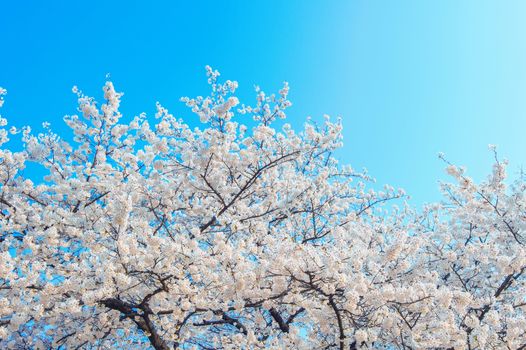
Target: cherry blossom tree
(153, 234)
(476, 245)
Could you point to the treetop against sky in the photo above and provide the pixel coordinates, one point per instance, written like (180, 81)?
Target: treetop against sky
(234, 218)
(148, 233)
(409, 79)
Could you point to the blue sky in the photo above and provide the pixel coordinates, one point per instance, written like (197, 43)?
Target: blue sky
(409, 78)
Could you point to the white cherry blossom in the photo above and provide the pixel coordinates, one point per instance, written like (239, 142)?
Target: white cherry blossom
(152, 234)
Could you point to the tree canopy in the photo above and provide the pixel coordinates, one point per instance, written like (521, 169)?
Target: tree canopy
(150, 233)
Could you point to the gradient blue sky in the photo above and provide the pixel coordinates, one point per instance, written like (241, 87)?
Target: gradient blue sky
(409, 78)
